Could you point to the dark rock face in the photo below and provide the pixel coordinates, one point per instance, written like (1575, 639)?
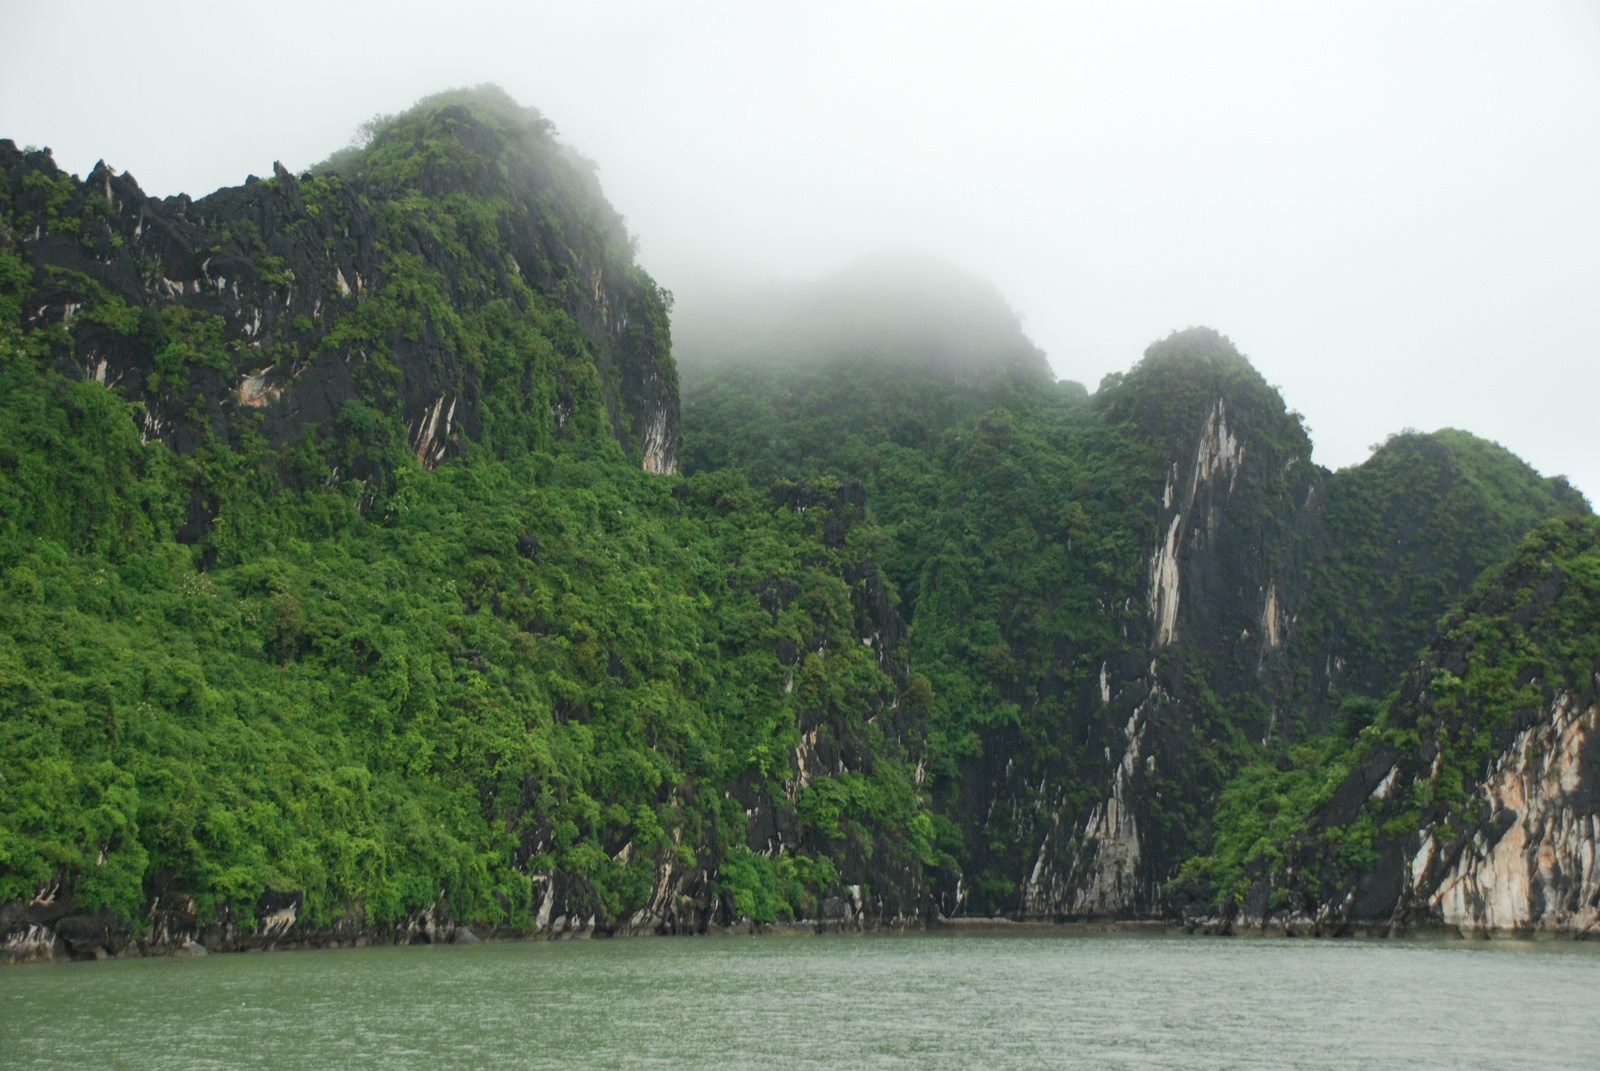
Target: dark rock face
(53, 925)
(1238, 638)
(58, 928)
(1225, 573)
(265, 309)
(285, 311)
(100, 935)
(1482, 809)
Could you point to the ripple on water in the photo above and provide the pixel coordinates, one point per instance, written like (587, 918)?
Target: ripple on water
(909, 1001)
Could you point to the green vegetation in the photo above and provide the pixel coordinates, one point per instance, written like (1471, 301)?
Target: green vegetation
(376, 707)
(1019, 514)
(1528, 632)
(1019, 517)
(1268, 802)
(470, 174)
(372, 682)
(1396, 564)
(368, 665)
(1397, 559)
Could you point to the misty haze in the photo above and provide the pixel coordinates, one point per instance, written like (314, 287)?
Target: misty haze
(901, 307)
(1078, 512)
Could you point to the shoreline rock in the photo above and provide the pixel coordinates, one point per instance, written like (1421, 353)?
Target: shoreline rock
(95, 937)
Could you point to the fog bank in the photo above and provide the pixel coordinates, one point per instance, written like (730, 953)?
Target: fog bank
(892, 305)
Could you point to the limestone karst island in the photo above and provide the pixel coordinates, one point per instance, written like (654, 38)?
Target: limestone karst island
(374, 573)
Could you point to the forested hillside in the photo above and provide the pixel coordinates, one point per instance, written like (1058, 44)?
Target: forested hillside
(1122, 599)
(301, 660)
(357, 585)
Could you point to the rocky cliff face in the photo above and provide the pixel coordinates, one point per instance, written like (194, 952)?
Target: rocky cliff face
(1529, 865)
(464, 255)
(1213, 613)
(53, 926)
(1122, 600)
(1476, 806)
(1206, 593)
(1269, 591)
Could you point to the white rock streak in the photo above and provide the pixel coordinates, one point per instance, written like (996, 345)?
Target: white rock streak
(1219, 450)
(1270, 617)
(431, 437)
(1097, 874)
(1217, 454)
(1164, 585)
(657, 445)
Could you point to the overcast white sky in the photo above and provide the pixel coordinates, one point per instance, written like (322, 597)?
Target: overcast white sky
(1393, 209)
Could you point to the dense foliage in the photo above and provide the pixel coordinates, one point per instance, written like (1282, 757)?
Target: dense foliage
(329, 647)
(372, 682)
(1528, 633)
(1397, 556)
(507, 665)
(1020, 516)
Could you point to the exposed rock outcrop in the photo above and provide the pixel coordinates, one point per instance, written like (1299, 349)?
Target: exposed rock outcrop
(1477, 810)
(1250, 543)
(1539, 874)
(269, 307)
(1227, 555)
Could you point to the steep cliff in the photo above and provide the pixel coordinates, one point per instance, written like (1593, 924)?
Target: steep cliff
(1189, 681)
(352, 595)
(1122, 601)
(462, 274)
(1401, 539)
(1473, 801)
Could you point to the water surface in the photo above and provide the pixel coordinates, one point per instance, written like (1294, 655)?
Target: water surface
(970, 1000)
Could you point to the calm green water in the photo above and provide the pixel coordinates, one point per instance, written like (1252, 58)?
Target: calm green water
(919, 1001)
